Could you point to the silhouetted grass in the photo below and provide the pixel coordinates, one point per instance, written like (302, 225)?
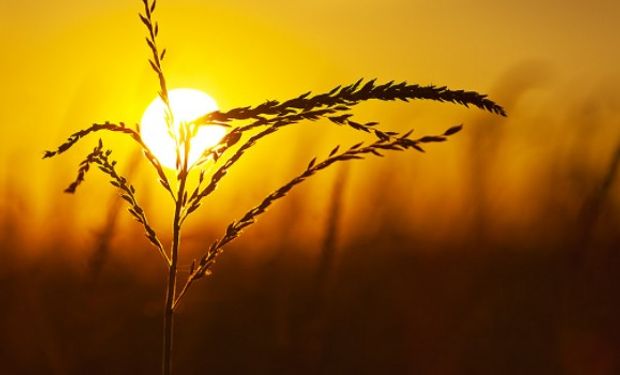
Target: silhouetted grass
(271, 116)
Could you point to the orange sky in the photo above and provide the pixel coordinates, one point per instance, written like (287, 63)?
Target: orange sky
(68, 63)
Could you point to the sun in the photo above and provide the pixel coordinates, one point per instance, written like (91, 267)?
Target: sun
(187, 105)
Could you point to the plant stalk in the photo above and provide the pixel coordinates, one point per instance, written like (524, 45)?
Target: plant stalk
(172, 278)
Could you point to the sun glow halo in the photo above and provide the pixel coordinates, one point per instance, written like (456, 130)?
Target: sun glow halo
(187, 105)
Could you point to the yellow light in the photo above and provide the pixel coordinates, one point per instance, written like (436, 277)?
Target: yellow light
(187, 105)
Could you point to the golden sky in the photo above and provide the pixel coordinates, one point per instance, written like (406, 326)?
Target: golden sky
(68, 63)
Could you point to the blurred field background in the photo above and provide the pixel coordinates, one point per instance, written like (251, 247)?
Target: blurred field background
(496, 252)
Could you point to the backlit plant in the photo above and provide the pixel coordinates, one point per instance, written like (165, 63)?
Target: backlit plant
(245, 127)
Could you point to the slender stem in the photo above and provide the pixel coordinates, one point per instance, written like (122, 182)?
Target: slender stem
(188, 283)
(172, 276)
(170, 294)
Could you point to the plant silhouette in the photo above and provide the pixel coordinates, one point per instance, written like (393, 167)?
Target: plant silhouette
(247, 126)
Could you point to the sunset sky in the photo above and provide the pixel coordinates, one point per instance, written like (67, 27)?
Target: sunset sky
(66, 64)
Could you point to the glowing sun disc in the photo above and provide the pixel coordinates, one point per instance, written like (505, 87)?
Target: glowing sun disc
(187, 105)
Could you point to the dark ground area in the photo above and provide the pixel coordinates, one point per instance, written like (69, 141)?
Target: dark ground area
(373, 309)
